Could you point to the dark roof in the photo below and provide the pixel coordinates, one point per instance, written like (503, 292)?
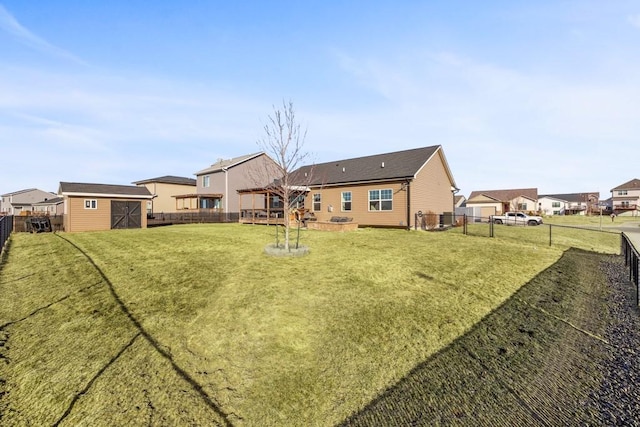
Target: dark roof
(380, 167)
(572, 197)
(506, 195)
(168, 179)
(51, 201)
(85, 189)
(634, 184)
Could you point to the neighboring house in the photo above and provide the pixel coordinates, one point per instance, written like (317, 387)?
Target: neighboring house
(626, 197)
(498, 202)
(21, 202)
(459, 201)
(165, 189)
(93, 207)
(217, 186)
(380, 190)
(52, 206)
(569, 204)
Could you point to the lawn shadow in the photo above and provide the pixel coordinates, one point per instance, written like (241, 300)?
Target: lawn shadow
(533, 360)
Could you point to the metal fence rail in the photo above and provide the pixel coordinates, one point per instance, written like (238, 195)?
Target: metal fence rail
(6, 228)
(631, 260)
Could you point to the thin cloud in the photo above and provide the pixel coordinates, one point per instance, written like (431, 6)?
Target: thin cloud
(11, 25)
(634, 20)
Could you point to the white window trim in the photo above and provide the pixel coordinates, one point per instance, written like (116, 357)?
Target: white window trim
(343, 201)
(380, 200)
(91, 204)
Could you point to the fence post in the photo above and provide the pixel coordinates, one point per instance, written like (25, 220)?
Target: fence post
(550, 227)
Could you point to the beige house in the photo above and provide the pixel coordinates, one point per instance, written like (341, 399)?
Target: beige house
(94, 207)
(626, 198)
(498, 202)
(383, 190)
(165, 189)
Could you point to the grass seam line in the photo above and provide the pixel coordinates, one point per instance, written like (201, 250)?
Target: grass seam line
(513, 392)
(36, 311)
(181, 372)
(18, 279)
(94, 379)
(566, 322)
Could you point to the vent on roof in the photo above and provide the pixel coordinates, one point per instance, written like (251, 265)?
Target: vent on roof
(343, 169)
(382, 165)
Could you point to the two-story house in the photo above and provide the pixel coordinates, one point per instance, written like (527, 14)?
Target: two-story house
(625, 198)
(217, 186)
(164, 190)
(22, 202)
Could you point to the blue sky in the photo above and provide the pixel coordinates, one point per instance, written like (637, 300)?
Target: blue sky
(520, 94)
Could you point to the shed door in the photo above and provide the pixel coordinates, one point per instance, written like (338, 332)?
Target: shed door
(125, 214)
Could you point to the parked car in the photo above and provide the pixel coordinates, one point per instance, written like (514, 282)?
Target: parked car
(516, 218)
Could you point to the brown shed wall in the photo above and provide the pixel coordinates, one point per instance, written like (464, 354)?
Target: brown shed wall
(77, 218)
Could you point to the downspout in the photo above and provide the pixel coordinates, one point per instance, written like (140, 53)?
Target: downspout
(408, 188)
(226, 193)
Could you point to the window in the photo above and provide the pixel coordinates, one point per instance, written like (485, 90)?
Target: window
(625, 203)
(206, 181)
(622, 192)
(90, 204)
(274, 202)
(380, 200)
(317, 202)
(556, 212)
(346, 201)
(522, 206)
(555, 204)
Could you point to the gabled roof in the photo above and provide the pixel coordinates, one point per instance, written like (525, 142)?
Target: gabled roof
(506, 195)
(572, 197)
(103, 190)
(13, 193)
(168, 179)
(634, 184)
(397, 165)
(222, 164)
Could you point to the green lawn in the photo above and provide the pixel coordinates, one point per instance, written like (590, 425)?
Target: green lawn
(195, 325)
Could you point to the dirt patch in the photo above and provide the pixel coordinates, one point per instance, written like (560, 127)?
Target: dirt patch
(548, 356)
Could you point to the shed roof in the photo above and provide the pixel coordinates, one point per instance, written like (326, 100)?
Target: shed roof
(103, 190)
(379, 167)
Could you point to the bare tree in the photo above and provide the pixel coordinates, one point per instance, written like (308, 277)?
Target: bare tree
(283, 141)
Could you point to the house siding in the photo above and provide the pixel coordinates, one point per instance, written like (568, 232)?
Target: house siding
(77, 218)
(331, 196)
(431, 189)
(164, 202)
(249, 174)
